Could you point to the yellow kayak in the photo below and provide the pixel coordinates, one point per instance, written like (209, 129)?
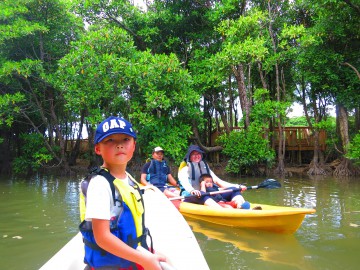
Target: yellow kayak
(278, 219)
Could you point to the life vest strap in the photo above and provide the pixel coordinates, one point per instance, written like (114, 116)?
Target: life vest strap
(94, 247)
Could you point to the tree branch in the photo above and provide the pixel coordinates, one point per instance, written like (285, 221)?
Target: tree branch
(356, 71)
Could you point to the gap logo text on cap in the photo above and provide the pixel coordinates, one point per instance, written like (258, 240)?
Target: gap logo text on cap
(113, 125)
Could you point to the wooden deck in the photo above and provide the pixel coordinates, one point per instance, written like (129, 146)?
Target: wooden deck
(296, 138)
(300, 139)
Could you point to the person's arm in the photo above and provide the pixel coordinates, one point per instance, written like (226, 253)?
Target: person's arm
(203, 186)
(172, 180)
(143, 174)
(109, 242)
(184, 179)
(224, 184)
(143, 179)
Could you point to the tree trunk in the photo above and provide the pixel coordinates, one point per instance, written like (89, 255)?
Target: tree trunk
(5, 157)
(244, 102)
(280, 170)
(345, 167)
(316, 166)
(232, 109)
(357, 119)
(76, 149)
(343, 127)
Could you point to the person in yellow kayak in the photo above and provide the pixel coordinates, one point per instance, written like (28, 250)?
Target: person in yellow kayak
(157, 172)
(189, 178)
(113, 228)
(224, 199)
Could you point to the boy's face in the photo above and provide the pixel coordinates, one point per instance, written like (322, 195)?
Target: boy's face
(208, 182)
(116, 149)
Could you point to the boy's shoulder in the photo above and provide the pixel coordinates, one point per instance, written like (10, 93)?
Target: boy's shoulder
(98, 174)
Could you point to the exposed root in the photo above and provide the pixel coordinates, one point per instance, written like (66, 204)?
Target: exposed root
(346, 168)
(316, 169)
(282, 172)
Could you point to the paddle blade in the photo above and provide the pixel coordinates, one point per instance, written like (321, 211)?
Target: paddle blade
(269, 183)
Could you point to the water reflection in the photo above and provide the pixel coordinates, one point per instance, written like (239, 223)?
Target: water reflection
(269, 247)
(40, 214)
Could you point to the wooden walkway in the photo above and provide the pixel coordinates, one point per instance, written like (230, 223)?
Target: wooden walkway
(296, 138)
(301, 139)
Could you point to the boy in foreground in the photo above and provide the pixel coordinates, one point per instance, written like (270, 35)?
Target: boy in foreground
(113, 229)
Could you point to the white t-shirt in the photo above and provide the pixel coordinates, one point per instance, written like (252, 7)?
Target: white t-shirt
(99, 200)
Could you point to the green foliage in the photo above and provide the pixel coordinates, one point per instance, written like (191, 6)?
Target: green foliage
(354, 149)
(264, 108)
(93, 76)
(127, 63)
(333, 25)
(244, 39)
(246, 150)
(34, 35)
(9, 107)
(104, 74)
(34, 155)
(299, 121)
(329, 124)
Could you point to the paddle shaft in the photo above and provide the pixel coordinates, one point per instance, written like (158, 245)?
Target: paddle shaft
(206, 194)
(268, 183)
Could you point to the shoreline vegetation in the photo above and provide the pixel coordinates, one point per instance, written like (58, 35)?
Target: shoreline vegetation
(134, 168)
(221, 76)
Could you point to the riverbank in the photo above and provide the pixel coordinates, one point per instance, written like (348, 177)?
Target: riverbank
(218, 168)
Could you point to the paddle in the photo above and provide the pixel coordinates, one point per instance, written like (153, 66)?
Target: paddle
(268, 183)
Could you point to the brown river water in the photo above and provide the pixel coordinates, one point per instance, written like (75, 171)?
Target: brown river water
(40, 214)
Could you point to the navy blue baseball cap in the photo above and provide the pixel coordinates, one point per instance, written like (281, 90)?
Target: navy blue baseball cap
(113, 125)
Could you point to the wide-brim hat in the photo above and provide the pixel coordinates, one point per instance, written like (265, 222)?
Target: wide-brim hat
(113, 125)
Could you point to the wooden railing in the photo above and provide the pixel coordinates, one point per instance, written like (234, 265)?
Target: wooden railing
(84, 145)
(301, 138)
(296, 138)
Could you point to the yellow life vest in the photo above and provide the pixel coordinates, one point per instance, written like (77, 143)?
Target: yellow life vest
(129, 194)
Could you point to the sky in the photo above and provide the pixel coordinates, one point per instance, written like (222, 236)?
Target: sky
(299, 111)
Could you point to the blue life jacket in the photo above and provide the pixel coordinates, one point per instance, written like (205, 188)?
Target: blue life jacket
(129, 226)
(215, 197)
(157, 173)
